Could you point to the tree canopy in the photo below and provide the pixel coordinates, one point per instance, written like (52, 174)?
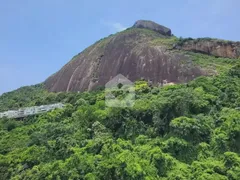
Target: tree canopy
(185, 131)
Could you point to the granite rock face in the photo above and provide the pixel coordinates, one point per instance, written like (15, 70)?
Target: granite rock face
(218, 48)
(129, 53)
(153, 26)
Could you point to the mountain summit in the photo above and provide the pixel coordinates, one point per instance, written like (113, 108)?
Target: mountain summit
(147, 51)
(153, 26)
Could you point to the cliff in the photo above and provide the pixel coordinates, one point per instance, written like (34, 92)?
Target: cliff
(147, 51)
(129, 53)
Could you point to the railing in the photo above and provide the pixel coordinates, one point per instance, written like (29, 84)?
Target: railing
(29, 111)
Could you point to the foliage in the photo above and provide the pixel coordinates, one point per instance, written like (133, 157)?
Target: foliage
(212, 65)
(167, 41)
(187, 131)
(25, 96)
(182, 41)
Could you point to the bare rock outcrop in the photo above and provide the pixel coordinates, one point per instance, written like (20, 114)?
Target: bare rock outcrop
(128, 53)
(153, 26)
(218, 48)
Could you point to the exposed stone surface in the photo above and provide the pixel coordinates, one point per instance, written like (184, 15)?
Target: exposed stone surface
(213, 47)
(127, 53)
(153, 26)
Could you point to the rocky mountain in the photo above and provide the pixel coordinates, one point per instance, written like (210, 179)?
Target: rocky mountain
(145, 51)
(215, 47)
(187, 131)
(153, 26)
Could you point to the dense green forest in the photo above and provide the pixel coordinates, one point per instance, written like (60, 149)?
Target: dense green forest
(187, 131)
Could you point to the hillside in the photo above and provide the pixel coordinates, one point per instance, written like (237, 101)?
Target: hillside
(189, 130)
(145, 51)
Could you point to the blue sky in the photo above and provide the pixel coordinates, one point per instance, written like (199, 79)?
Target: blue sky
(38, 37)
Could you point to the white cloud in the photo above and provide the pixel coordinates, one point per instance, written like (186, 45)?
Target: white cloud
(118, 27)
(114, 26)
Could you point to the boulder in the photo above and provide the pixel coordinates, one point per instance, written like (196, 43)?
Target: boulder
(153, 26)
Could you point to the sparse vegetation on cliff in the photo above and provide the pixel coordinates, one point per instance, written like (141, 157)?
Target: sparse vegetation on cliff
(212, 63)
(169, 42)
